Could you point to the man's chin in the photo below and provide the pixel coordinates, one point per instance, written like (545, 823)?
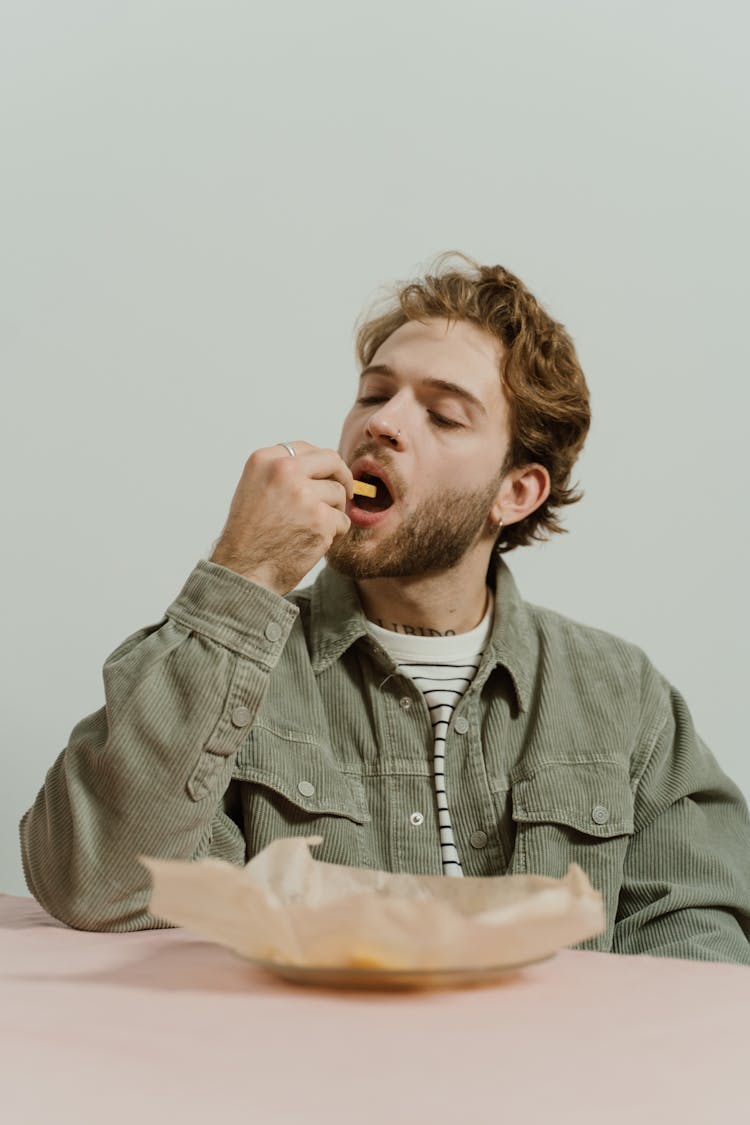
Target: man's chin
(351, 563)
(350, 560)
(379, 564)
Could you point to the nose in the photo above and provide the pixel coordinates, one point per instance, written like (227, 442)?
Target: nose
(384, 430)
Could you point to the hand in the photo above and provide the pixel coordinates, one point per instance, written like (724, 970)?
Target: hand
(285, 513)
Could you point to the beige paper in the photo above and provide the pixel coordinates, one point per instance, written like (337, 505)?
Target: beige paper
(286, 907)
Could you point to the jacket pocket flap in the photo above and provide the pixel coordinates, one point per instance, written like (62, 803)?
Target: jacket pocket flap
(593, 797)
(302, 772)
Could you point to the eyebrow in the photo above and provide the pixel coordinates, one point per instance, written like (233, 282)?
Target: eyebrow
(431, 381)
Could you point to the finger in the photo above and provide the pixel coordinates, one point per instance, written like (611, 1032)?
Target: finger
(331, 492)
(327, 463)
(343, 523)
(299, 447)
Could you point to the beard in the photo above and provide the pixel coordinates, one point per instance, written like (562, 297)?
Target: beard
(432, 539)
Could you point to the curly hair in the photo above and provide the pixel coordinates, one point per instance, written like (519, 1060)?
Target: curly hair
(545, 388)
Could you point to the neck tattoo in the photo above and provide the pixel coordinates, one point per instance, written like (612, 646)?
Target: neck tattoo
(415, 630)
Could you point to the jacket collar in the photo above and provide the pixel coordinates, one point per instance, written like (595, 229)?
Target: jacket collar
(337, 621)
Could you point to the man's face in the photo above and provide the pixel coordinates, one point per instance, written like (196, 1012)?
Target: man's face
(440, 450)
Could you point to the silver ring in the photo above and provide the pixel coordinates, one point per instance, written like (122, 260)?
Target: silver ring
(287, 447)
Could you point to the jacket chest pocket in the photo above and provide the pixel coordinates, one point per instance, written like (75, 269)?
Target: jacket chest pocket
(571, 812)
(292, 787)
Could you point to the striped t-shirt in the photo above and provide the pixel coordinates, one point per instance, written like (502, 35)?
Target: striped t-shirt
(443, 668)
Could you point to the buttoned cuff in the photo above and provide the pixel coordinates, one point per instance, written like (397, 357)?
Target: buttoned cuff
(234, 611)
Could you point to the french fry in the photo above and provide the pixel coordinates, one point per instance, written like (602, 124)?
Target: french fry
(362, 489)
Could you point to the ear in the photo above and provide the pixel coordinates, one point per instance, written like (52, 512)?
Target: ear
(522, 491)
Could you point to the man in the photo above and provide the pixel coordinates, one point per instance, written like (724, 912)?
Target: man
(408, 706)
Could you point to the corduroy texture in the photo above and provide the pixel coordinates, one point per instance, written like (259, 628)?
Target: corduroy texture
(243, 716)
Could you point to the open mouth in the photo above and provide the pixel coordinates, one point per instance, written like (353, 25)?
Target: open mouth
(378, 503)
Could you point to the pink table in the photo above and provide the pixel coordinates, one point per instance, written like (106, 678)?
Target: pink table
(163, 1026)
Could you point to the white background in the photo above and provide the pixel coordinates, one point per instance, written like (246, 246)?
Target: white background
(199, 199)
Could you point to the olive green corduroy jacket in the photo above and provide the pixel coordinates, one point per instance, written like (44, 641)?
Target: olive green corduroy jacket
(243, 716)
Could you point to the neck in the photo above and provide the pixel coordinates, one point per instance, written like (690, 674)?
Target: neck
(428, 605)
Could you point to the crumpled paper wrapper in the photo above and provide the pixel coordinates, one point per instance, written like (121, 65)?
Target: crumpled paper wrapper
(288, 908)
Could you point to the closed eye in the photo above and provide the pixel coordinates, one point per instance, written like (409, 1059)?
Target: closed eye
(437, 419)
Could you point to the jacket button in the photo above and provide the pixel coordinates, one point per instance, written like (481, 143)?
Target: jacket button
(405, 703)
(478, 839)
(306, 788)
(416, 819)
(461, 724)
(273, 630)
(599, 814)
(240, 717)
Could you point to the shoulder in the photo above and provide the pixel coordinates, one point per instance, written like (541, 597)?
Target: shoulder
(605, 658)
(576, 636)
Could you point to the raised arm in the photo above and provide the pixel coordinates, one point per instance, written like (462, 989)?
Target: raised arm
(148, 773)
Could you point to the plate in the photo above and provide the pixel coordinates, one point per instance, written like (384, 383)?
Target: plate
(325, 976)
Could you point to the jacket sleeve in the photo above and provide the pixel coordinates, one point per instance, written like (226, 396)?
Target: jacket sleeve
(150, 772)
(686, 883)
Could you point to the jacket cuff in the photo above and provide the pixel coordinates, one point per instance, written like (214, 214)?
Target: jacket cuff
(234, 611)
